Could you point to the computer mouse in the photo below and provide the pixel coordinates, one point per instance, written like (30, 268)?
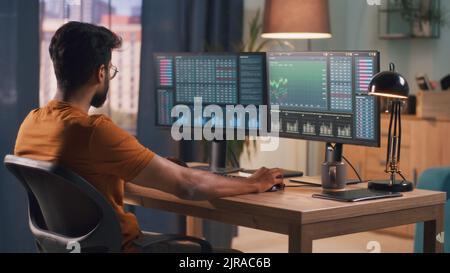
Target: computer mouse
(277, 187)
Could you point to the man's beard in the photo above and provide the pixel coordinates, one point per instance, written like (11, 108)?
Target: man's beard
(99, 98)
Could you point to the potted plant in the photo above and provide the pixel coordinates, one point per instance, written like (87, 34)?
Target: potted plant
(422, 15)
(251, 44)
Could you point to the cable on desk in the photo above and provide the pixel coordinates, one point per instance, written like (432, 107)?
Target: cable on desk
(351, 165)
(356, 172)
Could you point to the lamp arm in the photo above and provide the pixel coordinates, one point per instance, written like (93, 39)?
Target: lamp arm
(389, 147)
(399, 131)
(395, 136)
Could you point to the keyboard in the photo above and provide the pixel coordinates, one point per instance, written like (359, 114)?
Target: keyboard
(286, 173)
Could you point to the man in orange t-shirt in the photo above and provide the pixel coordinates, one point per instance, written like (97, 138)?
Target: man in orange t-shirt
(95, 148)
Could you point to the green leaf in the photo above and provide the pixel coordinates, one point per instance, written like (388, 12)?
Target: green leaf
(261, 45)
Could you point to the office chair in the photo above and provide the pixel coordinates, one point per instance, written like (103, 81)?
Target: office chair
(66, 212)
(436, 179)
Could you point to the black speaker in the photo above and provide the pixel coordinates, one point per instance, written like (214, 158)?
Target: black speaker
(445, 83)
(411, 105)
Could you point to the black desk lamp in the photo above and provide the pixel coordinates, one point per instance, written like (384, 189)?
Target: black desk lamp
(390, 84)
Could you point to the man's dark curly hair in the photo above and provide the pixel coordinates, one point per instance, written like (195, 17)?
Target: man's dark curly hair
(78, 50)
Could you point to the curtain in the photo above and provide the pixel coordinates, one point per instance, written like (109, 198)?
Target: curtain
(19, 93)
(181, 26)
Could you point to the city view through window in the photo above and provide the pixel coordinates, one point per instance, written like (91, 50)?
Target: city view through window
(122, 17)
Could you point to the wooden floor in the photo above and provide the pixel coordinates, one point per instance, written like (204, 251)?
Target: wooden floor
(256, 241)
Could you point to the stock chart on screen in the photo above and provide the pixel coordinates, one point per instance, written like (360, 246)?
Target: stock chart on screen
(308, 76)
(324, 95)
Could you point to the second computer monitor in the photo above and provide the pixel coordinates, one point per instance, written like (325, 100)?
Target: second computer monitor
(324, 96)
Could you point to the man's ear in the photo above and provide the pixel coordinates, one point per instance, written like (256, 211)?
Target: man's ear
(100, 75)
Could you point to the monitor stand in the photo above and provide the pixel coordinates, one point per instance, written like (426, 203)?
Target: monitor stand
(333, 169)
(333, 154)
(218, 159)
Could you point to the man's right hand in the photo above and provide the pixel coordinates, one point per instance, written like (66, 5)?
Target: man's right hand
(266, 178)
(191, 184)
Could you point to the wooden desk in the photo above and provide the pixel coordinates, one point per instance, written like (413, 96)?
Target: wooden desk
(295, 213)
(421, 149)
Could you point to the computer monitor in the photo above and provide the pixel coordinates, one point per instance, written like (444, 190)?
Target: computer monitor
(324, 96)
(218, 78)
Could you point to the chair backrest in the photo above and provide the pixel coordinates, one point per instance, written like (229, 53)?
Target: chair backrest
(436, 179)
(64, 209)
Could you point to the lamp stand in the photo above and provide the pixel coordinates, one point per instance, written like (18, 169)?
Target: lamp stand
(393, 155)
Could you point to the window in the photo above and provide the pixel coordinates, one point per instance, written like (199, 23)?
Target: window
(122, 17)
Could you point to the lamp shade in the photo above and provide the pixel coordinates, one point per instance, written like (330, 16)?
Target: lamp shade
(296, 19)
(389, 84)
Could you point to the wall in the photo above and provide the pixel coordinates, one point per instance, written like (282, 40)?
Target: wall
(355, 27)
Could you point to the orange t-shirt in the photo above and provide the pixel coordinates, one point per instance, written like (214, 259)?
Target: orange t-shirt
(92, 146)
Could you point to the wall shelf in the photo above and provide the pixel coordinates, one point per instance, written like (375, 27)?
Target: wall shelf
(409, 19)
